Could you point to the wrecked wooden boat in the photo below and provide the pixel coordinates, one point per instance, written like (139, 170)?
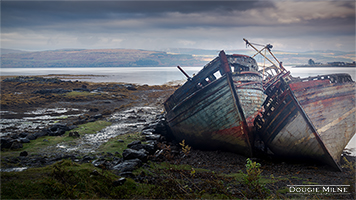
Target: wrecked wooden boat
(309, 118)
(215, 109)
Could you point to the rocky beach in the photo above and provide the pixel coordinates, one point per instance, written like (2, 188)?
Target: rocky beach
(53, 129)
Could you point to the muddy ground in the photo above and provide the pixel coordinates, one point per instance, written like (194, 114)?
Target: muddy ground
(22, 97)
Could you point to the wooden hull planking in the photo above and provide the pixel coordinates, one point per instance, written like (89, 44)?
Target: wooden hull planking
(250, 92)
(212, 119)
(299, 119)
(209, 112)
(330, 106)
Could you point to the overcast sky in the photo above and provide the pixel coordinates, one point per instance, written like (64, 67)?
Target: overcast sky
(155, 25)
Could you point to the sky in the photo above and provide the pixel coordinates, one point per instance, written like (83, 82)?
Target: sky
(156, 25)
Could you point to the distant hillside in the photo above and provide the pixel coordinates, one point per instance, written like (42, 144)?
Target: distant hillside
(97, 58)
(288, 58)
(6, 51)
(146, 58)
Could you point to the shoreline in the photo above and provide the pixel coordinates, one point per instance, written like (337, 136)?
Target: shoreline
(116, 104)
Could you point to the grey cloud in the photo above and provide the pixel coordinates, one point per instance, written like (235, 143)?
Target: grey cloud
(155, 24)
(36, 13)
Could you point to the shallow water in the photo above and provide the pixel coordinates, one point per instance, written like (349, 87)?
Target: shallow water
(15, 169)
(128, 121)
(37, 119)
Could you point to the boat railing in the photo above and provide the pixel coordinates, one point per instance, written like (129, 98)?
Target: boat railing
(333, 78)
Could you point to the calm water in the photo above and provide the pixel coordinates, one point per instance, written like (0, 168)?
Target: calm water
(156, 75)
(150, 75)
(138, 75)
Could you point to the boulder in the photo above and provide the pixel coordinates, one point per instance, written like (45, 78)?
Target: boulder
(74, 134)
(88, 158)
(6, 142)
(136, 146)
(24, 153)
(23, 134)
(130, 87)
(129, 154)
(136, 142)
(152, 137)
(148, 131)
(57, 130)
(16, 145)
(150, 148)
(14, 136)
(24, 140)
(40, 134)
(97, 116)
(31, 136)
(128, 165)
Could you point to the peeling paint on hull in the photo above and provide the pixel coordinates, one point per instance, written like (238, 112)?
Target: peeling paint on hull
(331, 109)
(309, 119)
(214, 115)
(209, 119)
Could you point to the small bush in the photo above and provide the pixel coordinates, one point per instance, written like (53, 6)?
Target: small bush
(255, 189)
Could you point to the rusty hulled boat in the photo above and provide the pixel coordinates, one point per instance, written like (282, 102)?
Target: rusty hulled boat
(215, 109)
(310, 118)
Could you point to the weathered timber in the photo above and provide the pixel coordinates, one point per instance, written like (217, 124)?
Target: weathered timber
(209, 111)
(309, 118)
(329, 102)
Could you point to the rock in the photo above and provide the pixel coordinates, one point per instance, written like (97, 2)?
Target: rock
(98, 116)
(150, 148)
(14, 136)
(130, 87)
(57, 130)
(120, 141)
(40, 133)
(16, 145)
(45, 140)
(24, 153)
(94, 109)
(152, 137)
(31, 137)
(136, 142)
(129, 154)
(136, 146)
(88, 158)
(74, 134)
(6, 142)
(119, 182)
(128, 165)
(24, 140)
(148, 131)
(101, 163)
(23, 134)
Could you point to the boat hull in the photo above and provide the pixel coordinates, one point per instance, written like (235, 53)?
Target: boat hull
(330, 106)
(251, 95)
(308, 119)
(212, 118)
